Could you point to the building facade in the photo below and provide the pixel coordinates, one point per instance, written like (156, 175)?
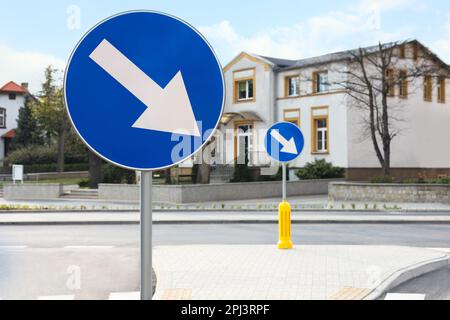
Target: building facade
(262, 90)
(12, 98)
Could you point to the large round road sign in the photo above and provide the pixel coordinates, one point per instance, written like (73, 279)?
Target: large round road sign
(144, 90)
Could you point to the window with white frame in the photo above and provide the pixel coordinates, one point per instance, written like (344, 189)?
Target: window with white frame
(293, 86)
(321, 135)
(245, 90)
(2, 118)
(321, 83)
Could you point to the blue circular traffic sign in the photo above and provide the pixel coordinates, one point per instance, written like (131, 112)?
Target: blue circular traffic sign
(284, 141)
(144, 90)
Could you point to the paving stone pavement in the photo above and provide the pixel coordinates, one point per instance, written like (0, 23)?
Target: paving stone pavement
(240, 272)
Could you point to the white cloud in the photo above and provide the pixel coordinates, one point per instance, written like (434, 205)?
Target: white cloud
(443, 45)
(22, 66)
(360, 24)
(382, 5)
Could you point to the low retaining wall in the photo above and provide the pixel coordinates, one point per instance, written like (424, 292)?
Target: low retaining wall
(33, 191)
(215, 192)
(401, 193)
(128, 192)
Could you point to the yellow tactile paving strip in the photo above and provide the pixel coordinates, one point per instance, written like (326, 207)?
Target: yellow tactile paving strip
(350, 293)
(177, 294)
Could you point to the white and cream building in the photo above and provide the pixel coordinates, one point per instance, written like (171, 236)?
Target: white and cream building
(262, 90)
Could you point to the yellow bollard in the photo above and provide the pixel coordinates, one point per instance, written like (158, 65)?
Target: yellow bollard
(284, 226)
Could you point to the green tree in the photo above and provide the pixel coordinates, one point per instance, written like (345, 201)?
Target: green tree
(27, 130)
(51, 114)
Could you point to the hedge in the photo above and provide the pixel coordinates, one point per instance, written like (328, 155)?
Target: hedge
(37, 168)
(32, 155)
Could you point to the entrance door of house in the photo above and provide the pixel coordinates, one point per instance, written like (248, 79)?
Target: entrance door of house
(244, 142)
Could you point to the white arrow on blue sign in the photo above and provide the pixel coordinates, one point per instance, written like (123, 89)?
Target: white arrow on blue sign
(140, 81)
(284, 141)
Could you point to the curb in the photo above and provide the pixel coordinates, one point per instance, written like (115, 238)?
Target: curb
(408, 273)
(62, 210)
(222, 221)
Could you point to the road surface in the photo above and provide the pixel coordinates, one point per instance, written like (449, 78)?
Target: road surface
(93, 261)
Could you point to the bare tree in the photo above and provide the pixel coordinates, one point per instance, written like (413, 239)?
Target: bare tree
(371, 79)
(95, 170)
(204, 167)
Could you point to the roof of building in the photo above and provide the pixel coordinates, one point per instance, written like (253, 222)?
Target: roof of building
(10, 134)
(12, 87)
(327, 58)
(279, 62)
(286, 64)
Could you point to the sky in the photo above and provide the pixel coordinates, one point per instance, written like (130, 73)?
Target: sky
(34, 34)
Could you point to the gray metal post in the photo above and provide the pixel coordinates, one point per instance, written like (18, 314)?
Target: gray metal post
(146, 235)
(283, 166)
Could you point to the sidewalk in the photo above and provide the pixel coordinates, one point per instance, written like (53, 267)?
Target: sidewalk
(180, 217)
(306, 272)
(304, 203)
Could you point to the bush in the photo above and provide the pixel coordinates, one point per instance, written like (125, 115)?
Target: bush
(114, 174)
(275, 177)
(444, 180)
(84, 183)
(36, 168)
(33, 154)
(381, 179)
(241, 173)
(320, 169)
(414, 181)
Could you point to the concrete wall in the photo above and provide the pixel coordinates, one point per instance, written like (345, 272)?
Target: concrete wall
(401, 193)
(33, 191)
(215, 192)
(128, 192)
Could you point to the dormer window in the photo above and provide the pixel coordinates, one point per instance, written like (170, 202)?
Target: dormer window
(320, 82)
(292, 84)
(244, 85)
(12, 96)
(245, 90)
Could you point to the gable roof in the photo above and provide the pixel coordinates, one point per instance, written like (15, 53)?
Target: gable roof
(250, 56)
(10, 134)
(279, 62)
(12, 87)
(286, 64)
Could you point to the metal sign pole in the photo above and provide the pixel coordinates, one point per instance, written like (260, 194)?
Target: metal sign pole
(146, 235)
(283, 166)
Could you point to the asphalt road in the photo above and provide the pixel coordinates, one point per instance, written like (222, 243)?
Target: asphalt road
(419, 235)
(93, 261)
(434, 285)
